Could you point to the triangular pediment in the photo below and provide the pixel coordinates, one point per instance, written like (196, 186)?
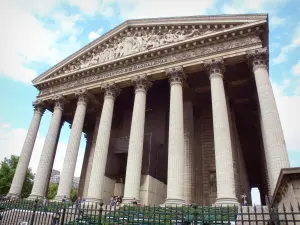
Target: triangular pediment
(137, 36)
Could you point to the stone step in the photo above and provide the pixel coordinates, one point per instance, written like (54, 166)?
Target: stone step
(253, 215)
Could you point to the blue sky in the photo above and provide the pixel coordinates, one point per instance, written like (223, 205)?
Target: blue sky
(36, 34)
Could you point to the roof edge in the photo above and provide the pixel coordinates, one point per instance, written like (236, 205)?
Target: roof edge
(149, 20)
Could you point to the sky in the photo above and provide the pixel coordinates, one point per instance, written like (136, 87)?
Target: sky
(35, 35)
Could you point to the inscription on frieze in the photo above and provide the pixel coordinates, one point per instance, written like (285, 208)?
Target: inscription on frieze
(197, 52)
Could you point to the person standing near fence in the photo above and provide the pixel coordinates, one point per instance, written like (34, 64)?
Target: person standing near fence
(44, 204)
(244, 199)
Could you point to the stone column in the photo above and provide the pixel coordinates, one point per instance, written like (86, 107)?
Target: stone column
(222, 139)
(91, 157)
(102, 144)
(21, 170)
(189, 167)
(85, 164)
(175, 188)
(136, 141)
(273, 138)
(68, 170)
(45, 164)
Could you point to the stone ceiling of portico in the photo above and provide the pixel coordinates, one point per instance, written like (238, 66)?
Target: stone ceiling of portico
(135, 37)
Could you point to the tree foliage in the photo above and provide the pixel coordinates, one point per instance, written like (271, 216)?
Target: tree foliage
(52, 191)
(73, 194)
(7, 171)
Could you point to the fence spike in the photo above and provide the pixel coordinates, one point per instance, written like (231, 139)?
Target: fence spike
(291, 206)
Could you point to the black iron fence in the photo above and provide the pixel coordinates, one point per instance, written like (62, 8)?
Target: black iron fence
(25, 212)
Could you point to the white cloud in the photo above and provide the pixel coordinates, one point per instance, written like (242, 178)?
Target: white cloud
(285, 50)
(289, 108)
(11, 143)
(95, 34)
(253, 6)
(134, 9)
(26, 39)
(276, 21)
(91, 7)
(296, 69)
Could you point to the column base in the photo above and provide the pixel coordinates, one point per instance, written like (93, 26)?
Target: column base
(129, 200)
(12, 196)
(59, 198)
(226, 202)
(34, 197)
(94, 200)
(174, 201)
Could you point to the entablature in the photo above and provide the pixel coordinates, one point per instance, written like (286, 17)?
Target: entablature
(194, 41)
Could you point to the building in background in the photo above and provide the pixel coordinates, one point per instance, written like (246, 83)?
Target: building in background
(55, 178)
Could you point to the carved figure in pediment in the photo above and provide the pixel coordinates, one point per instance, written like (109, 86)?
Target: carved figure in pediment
(106, 54)
(136, 41)
(74, 66)
(84, 63)
(169, 37)
(128, 44)
(182, 35)
(95, 59)
(119, 49)
(140, 39)
(153, 40)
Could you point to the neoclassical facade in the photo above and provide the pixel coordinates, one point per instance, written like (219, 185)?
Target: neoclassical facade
(174, 110)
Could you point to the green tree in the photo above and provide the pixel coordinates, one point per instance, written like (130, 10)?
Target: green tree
(7, 171)
(52, 191)
(73, 193)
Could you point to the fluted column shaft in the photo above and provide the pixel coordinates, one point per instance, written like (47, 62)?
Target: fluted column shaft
(91, 158)
(68, 170)
(45, 164)
(222, 138)
(21, 170)
(85, 164)
(175, 188)
(273, 138)
(189, 168)
(102, 143)
(136, 141)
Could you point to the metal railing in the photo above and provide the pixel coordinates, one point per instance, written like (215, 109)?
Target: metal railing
(25, 212)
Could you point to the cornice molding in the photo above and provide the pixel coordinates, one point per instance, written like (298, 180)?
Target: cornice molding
(225, 29)
(144, 56)
(86, 79)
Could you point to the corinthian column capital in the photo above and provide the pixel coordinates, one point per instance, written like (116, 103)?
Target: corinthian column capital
(111, 90)
(215, 67)
(39, 106)
(59, 102)
(258, 58)
(82, 96)
(141, 83)
(176, 75)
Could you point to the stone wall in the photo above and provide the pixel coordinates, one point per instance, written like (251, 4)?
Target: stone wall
(108, 189)
(205, 168)
(153, 191)
(205, 157)
(240, 174)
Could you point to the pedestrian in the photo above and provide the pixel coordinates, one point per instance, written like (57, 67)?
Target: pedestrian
(78, 202)
(64, 199)
(55, 219)
(44, 204)
(112, 201)
(244, 199)
(134, 202)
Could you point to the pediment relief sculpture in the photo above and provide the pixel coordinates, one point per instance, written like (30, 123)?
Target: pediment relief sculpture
(135, 41)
